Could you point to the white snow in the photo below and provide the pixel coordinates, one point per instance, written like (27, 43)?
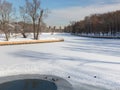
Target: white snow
(19, 37)
(79, 57)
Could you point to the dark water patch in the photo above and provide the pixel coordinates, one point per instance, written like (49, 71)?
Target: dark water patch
(34, 82)
(28, 84)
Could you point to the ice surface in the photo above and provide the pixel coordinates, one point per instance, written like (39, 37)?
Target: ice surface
(93, 64)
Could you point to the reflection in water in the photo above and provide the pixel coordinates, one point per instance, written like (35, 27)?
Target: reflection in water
(28, 84)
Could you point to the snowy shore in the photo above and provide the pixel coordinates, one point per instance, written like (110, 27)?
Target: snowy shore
(99, 36)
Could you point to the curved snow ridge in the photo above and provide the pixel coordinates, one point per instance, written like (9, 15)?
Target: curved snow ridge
(40, 68)
(61, 83)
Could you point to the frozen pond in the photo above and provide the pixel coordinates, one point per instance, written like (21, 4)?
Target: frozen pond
(92, 64)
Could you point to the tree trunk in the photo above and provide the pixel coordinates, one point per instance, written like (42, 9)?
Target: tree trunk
(24, 36)
(39, 25)
(6, 36)
(34, 28)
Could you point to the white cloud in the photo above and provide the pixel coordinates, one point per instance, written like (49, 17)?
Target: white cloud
(61, 17)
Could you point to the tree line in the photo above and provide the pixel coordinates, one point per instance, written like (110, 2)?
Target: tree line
(97, 24)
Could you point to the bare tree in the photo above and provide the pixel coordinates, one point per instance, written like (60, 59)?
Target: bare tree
(35, 12)
(5, 11)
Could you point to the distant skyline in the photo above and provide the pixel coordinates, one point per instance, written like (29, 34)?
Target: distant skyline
(64, 11)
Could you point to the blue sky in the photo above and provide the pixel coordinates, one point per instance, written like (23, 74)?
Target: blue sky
(70, 3)
(51, 4)
(64, 11)
(64, 3)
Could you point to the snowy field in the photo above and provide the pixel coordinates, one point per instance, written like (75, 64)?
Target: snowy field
(93, 64)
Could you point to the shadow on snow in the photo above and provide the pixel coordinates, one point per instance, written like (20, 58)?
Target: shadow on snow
(36, 56)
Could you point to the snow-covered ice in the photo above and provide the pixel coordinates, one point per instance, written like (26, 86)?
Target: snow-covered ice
(93, 64)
